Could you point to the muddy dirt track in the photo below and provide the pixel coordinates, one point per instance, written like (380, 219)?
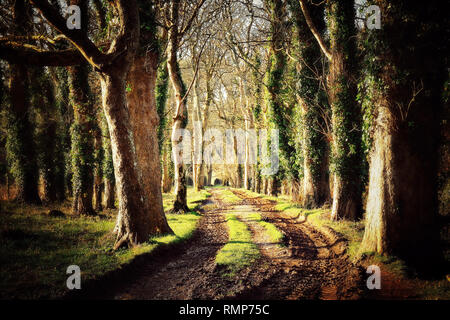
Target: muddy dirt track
(310, 265)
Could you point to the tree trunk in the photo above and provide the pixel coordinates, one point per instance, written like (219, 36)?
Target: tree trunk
(98, 172)
(134, 223)
(209, 181)
(167, 181)
(297, 190)
(98, 193)
(247, 167)
(198, 143)
(20, 145)
(179, 122)
(273, 188)
(82, 140)
(109, 194)
(316, 189)
(264, 185)
(109, 180)
(312, 100)
(347, 193)
(144, 121)
(48, 168)
(401, 206)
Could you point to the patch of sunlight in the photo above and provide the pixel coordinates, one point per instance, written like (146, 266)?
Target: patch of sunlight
(239, 251)
(276, 236)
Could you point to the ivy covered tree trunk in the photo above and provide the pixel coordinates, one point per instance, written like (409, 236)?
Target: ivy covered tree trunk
(21, 149)
(278, 113)
(82, 152)
(256, 89)
(46, 117)
(167, 179)
(346, 136)
(64, 112)
(47, 146)
(313, 104)
(405, 79)
(144, 120)
(98, 171)
(162, 88)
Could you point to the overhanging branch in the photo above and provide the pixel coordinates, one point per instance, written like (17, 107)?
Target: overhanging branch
(28, 56)
(314, 31)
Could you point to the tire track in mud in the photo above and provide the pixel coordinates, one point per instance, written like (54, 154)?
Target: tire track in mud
(189, 275)
(314, 266)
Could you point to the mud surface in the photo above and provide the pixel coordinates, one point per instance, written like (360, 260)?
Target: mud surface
(310, 264)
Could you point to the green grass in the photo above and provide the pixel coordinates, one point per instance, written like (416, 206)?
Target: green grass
(37, 249)
(239, 251)
(276, 236)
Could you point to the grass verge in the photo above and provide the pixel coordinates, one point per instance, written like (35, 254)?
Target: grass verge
(239, 251)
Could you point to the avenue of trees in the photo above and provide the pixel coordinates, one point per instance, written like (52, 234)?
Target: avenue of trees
(92, 114)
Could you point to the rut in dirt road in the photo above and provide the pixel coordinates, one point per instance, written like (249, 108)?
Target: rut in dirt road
(312, 266)
(186, 276)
